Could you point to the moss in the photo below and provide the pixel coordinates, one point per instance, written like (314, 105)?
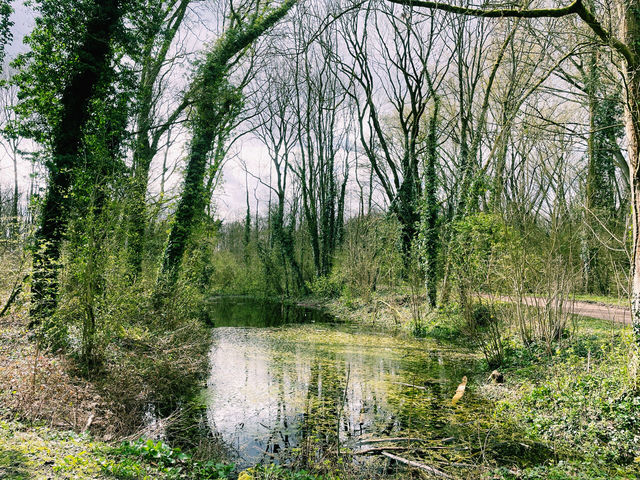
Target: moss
(37, 452)
(32, 452)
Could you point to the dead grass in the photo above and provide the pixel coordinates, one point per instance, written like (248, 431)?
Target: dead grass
(39, 386)
(152, 372)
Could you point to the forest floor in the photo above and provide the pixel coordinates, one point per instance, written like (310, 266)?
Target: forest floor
(44, 408)
(579, 398)
(58, 423)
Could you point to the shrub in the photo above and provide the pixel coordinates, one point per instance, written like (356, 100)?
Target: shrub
(368, 257)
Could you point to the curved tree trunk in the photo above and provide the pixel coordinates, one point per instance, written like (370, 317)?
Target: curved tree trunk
(214, 102)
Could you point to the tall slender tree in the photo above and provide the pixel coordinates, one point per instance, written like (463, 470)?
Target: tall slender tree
(213, 98)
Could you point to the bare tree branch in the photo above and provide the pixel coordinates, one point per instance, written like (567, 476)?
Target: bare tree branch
(575, 8)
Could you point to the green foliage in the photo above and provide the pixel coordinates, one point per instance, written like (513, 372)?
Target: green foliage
(601, 176)
(366, 261)
(585, 405)
(146, 458)
(479, 240)
(46, 69)
(561, 471)
(278, 472)
(197, 267)
(446, 325)
(419, 328)
(325, 287)
(485, 327)
(6, 35)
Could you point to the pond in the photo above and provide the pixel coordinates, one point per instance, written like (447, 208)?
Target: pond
(287, 381)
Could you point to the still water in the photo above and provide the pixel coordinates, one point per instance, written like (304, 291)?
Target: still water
(288, 381)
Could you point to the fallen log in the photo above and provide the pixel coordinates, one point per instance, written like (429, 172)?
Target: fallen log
(394, 439)
(418, 465)
(379, 450)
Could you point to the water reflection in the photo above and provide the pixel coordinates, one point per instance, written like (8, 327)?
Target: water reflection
(319, 388)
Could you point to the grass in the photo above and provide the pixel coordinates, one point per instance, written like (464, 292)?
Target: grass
(603, 299)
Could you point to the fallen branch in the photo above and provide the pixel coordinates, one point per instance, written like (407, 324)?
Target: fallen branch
(17, 288)
(418, 465)
(393, 439)
(379, 450)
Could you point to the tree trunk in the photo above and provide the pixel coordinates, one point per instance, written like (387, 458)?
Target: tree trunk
(631, 36)
(94, 57)
(138, 213)
(430, 211)
(15, 224)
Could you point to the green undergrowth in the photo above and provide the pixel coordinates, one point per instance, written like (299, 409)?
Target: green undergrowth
(37, 452)
(277, 472)
(581, 400)
(398, 313)
(156, 459)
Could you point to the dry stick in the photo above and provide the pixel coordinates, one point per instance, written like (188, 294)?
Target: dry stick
(421, 466)
(35, 369)
(89, 422)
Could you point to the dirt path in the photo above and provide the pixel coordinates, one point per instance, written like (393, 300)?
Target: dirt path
(587, 309)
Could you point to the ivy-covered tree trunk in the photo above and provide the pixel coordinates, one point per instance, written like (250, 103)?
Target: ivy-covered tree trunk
(213, 101)
(192, 200)
(284, 240)
(600, 185)
(429, 233)
(406, 208)
(93, 60)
